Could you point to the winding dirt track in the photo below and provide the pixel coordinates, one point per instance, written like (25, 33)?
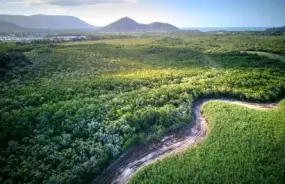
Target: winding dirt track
(133, 159)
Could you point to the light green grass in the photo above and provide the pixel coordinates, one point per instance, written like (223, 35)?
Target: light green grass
(270, 55)
(130, 41)
(243, 146)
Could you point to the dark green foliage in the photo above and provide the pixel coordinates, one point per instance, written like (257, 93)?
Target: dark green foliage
(12, 64)
(4, 59)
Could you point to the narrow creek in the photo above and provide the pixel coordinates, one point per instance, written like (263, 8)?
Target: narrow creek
(120, 171)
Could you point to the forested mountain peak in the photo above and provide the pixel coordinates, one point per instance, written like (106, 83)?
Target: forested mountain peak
(127, 24)
(49, 22)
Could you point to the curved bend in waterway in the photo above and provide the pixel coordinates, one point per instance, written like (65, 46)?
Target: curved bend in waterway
(125, 166)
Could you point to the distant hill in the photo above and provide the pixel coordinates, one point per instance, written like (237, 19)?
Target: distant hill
(162, 26)
(276, 29)
(8, 27)
(129, 25)
(47, 22)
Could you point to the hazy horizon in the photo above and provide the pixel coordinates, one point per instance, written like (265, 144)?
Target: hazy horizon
(182, 13)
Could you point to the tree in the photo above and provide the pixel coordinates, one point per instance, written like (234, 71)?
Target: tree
(4, 59)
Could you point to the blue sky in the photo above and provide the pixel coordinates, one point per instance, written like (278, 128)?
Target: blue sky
(182, 13)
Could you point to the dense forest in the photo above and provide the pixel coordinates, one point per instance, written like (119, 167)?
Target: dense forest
(69, 109)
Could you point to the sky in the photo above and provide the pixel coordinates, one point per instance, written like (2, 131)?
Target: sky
(182, 13)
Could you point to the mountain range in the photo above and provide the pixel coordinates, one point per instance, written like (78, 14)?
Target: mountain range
(33, 23)
(46, 22)
(127, 24)
(8, 27)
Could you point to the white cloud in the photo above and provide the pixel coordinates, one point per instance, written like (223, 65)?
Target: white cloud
(56, 10)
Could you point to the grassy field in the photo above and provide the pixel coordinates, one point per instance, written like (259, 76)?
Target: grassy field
(243, 146)
(68, 110)
(129, 41)
(270, 55)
